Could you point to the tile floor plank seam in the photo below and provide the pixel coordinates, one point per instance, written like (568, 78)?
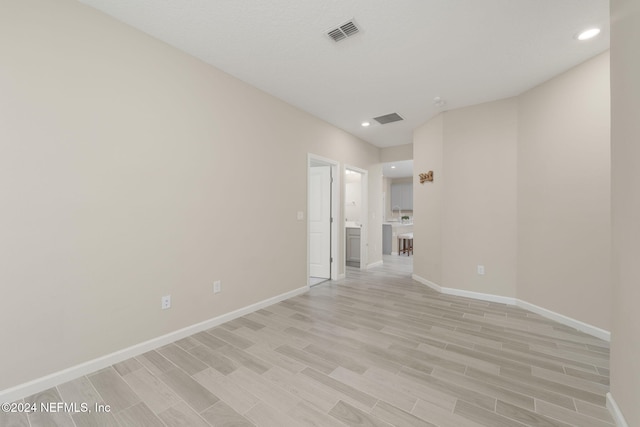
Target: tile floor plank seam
(374, 348)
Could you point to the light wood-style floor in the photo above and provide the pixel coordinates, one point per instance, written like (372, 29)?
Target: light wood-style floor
(374, 349)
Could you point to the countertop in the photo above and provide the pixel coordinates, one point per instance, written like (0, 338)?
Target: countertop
(397, 223)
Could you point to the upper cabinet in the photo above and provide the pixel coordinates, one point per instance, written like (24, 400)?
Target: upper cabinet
(402, 196)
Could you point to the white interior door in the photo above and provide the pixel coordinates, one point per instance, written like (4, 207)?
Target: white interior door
(320, 222)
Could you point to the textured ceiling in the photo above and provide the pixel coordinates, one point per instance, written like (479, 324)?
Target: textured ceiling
(407, 51)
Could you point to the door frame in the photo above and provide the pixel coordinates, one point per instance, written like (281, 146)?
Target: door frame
(335, 204)
(364, 214)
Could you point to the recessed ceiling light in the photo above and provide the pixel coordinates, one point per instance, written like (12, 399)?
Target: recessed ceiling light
(588, 34)
(393, 167)
(365, 124)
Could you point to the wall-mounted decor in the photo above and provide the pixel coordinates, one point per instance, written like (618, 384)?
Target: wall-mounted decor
(424, 177)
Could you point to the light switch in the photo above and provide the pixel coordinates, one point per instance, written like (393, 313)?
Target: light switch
(300, 215)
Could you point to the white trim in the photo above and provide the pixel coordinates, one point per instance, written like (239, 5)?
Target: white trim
(464, 293)
(615, 411)
(426, 282)
(375, 264)
(479, 296)
(565, 320)
(560, 318)
(26, 389)
(340, 276)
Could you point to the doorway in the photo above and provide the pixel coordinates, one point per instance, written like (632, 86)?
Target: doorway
(356, 215)
(321, 208)
(397, 200)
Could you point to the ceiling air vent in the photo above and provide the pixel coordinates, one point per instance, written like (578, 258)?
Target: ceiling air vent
(388, 118)
(345, 30)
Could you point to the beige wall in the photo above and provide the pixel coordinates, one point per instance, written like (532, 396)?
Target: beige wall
(427, 200)
(467, 216)
(130, 170)
(396, 153)
(625, 145)
(564, 224)
(376, 214)
(479, 198)
(522, 187)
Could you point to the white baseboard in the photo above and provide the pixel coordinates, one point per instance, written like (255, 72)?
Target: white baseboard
(615, 412)
(463, 293)
(40, 384)
(426, 282)
(479, 296)
(560, 318)
(375, 264)
(567, 321)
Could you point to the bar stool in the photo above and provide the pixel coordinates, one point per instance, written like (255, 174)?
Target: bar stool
(405, 244)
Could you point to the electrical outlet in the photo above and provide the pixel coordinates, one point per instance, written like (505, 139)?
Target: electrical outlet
(166, 302)
(217, 287)
(481, 270)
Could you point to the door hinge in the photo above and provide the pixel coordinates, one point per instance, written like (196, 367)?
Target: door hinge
(331, 220)
(331, 259)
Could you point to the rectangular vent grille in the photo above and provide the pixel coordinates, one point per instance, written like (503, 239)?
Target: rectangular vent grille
(388, 118)
(345, 30)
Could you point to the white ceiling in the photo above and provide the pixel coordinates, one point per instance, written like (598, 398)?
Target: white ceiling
(402, 169)
(407, 52)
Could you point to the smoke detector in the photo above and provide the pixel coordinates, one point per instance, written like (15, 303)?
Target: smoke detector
(439, 102)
